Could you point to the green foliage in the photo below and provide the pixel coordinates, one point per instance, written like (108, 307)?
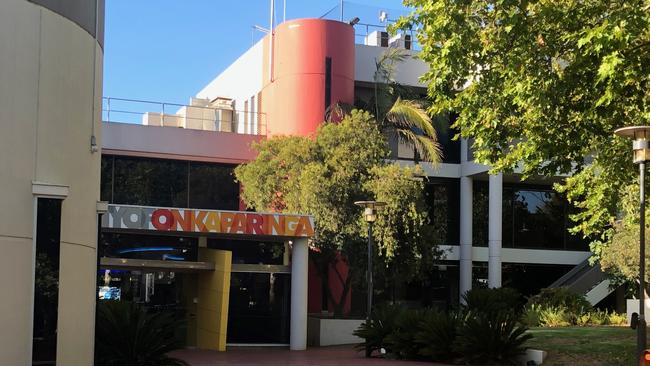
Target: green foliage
(617, 319)
(561, 297)
(436, 335)
(491, 339)
(402, 340)
(556, 317)
(531, 315)
(376, 330)
(487, 332)
(493, 300)
(398, 111)
(542, 85)
(323, 175)
(599, 317)
(129, 336)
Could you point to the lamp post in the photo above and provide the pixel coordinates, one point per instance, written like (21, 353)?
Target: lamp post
(641, 146)
(370, 215)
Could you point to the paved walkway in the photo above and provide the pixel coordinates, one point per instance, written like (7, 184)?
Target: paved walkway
(276, 356)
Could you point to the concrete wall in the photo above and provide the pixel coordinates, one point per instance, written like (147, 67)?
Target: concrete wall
(47, 116)
(406, 73)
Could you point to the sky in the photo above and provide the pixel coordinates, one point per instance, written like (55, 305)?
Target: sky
(167, 50)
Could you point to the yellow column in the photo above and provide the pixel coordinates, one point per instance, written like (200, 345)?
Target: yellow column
(213, 296)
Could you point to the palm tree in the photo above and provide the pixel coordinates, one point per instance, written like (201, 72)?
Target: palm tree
(398, 111)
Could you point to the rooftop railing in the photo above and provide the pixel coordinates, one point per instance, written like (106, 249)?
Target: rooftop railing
(219, 116)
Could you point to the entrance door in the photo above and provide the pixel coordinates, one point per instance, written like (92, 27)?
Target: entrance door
(259, 308)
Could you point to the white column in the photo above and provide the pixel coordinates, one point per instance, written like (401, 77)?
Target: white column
(299, 261)
(494, 230)
(465, 236)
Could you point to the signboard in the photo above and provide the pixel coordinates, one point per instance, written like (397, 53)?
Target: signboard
(207, 221)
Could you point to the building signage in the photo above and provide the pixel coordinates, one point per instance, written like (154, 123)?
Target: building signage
(207, 221)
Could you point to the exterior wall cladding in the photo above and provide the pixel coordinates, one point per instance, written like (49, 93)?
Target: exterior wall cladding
(311, 62)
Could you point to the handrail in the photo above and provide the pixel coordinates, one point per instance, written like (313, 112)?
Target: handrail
(211, 118)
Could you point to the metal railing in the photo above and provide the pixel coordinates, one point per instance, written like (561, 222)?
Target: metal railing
(209, 118)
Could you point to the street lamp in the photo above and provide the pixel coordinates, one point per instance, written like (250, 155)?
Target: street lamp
(370, 215)
(641, 146)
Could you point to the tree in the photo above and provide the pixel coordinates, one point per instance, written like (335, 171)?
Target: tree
(324, 176)
(398, 110)
(540, 86)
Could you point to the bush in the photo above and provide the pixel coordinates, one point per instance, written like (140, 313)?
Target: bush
(491, 338)
(617, 319)
(555, 317)
(599, 317)
(401, 341)
(132, 337)
(436, 335)
(374, 331)
(561, 297)
(493, 300)
(531, 316)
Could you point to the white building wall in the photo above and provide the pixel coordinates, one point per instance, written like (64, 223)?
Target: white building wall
(407, 73)
(241, 81)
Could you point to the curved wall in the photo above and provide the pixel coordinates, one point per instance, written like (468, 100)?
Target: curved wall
(295, 99)
(49, 66)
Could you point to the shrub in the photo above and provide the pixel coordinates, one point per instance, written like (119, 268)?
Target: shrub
(561, 297)
(617, 319)
(401, 341)
(583, 320)
(599, 317)
(132, 337)
(436, 335)
(555, 317)
(491, 338)
(493, 300)
(531, 315)
(374, 331)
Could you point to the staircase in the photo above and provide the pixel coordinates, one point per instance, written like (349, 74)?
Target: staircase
(586, 280)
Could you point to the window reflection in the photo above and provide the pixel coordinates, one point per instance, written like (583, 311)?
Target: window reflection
(168, 183)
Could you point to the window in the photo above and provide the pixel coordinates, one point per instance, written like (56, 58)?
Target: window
(213, 186)
(150, 182)
(168, 183)
(533, 217)
(443, 199)
(328, 82)
(150, 247)
(46, 280)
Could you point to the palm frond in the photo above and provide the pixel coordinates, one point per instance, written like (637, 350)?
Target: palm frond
(409, 114)
(428, 149)
(385, 64)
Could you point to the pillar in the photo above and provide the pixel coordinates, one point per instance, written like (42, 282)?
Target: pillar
(465, 236)
(495, 210)
(299, 263)
(213, 299)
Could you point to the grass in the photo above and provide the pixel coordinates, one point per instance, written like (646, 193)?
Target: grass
(593, 346)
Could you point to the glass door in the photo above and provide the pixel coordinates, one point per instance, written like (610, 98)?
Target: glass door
(259, 307)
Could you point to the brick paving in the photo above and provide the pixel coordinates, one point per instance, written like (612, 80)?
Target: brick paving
(278, 356)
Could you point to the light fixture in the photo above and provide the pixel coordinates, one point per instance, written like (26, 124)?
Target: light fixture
(354, 21)
(370, 215)
(641, 149)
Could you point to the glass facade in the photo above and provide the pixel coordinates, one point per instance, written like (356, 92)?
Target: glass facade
(251, 251)
(149, 247)
(168, 183)
(443, 198)
(534, 217)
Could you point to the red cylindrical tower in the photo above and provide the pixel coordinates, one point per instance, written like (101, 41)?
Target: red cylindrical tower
(312, 67)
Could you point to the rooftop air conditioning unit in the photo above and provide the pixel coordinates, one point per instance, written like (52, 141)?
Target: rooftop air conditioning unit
(401, 41)
(377, 38)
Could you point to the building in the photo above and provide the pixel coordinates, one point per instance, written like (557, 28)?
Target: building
(496, 229)
(50, 110)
